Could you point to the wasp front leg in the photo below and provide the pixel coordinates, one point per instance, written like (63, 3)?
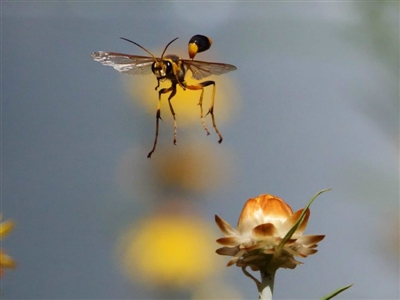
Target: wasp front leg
(176, 69)
(173, 93)
(201, 87)
(158, 117)
(158, 84)
(171, 89)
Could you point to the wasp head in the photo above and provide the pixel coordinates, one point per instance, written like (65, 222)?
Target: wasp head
(162, 69)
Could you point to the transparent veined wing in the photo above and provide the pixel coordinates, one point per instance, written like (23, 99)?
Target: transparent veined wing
(203, 69)
(125, 63)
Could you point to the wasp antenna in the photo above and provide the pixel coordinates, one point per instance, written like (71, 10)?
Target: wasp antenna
(165, 49)
(128, 40)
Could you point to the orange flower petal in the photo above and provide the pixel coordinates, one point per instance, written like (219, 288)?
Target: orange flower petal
(229, 241)
(304, 252)
(262, 209)
(265, 230)
(274, 207)
(5, 228)
(225, 227)
(310, 240)
(289, 223)
(251, 216)
(290, 242)
(232, 261)
(229, 251)
(290, 263)
(236, 258)
(6, 261)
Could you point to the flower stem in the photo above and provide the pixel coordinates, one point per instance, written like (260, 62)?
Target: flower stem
(266, 288)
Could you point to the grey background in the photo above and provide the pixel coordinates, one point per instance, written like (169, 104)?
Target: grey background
(318, 90)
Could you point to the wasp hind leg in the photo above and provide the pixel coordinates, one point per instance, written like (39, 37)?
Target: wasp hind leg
(201, 112)
(201, 86)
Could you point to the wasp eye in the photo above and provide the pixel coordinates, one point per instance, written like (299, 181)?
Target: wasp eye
(168, 66)
(153, 68)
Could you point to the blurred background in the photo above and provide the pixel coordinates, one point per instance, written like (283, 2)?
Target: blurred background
(313, 104)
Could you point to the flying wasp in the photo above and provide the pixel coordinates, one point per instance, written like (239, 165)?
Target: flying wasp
(173, 68)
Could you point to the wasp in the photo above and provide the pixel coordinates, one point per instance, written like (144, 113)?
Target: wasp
(173, 68)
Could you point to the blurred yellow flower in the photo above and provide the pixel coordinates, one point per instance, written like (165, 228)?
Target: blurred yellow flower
(197, 167)
(168, 250)
(5, 260)
(194, 167)
(263, 223)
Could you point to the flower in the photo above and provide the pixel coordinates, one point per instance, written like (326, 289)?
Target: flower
(162, 251)
(5, 260)
(262, 226)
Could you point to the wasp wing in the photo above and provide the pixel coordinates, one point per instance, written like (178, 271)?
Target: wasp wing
(203, 69)
(125, 63)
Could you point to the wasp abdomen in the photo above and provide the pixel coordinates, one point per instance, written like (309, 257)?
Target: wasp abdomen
(198, 43)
